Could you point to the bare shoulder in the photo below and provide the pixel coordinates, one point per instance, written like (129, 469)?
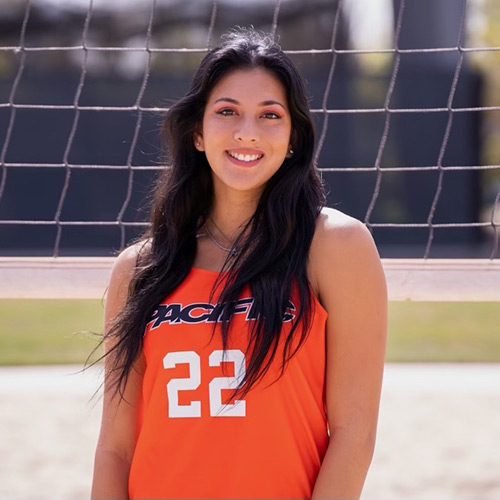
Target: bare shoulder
(342, 248)
(337, 235)
(335, 226)
(121, 274)
(125, 263)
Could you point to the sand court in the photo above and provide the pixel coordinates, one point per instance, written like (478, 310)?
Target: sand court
(438, 433)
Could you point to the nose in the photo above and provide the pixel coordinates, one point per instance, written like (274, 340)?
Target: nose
(247, 131)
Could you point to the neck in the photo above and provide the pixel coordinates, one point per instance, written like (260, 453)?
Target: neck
(230, 214)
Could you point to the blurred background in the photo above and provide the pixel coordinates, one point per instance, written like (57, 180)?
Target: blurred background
(118, 92)
(409, 145)
(81, 103)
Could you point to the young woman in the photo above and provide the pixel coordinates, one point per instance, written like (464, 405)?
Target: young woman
(245, 333)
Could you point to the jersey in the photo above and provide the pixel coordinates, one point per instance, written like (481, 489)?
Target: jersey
(193, 440)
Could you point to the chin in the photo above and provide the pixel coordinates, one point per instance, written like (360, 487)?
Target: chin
(238, 184)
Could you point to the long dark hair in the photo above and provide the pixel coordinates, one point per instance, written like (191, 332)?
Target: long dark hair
(275, 242)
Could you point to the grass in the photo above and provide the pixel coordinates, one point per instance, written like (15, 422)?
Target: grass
(45, 332)
(444, 331)
(58, 331)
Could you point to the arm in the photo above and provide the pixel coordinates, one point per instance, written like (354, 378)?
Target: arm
(351, 286)
(117, 436)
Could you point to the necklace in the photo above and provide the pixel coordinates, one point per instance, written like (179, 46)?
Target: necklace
(232, 251)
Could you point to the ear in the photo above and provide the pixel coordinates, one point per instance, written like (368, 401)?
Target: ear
(291, 145)
(198, 142)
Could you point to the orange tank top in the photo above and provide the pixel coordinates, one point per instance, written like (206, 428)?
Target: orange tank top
(193, 442)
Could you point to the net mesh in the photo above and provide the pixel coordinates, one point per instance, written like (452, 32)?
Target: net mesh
(381, 178)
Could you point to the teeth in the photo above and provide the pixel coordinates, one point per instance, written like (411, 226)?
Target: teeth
(243, 157)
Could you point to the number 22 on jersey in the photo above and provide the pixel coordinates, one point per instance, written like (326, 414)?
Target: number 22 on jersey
(215, 387)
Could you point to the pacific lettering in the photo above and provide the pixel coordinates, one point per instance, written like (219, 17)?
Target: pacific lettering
(201, 312)
(165, 313)
(288, 316)
(189, 314)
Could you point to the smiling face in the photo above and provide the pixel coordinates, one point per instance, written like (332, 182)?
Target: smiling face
(246, 130)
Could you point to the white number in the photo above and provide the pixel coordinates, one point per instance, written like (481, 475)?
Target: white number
(215, 387)
(175, 385)
(217, 409)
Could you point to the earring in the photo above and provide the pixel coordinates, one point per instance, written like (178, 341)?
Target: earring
(290, 151)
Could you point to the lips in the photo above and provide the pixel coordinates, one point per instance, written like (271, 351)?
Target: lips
(245, 157)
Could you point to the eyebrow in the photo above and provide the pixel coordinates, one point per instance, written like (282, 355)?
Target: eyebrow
(263, 103)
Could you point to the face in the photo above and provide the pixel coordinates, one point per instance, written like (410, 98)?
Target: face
(246, 130)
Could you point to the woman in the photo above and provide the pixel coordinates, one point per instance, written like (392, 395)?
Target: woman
(245, 333)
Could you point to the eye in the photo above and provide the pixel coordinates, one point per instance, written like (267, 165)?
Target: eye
(271, 115)
(226, 112)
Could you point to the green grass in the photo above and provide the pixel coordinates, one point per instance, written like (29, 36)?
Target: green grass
(48, 331)
(444, 331)
(57, 331)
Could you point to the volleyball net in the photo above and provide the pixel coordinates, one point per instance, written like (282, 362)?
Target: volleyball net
(404, 133)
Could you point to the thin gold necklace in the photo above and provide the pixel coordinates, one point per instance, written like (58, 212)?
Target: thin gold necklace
(232, 251)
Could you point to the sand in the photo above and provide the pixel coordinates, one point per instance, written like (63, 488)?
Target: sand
(438, 433)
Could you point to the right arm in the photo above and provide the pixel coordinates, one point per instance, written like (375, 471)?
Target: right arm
(117, 436)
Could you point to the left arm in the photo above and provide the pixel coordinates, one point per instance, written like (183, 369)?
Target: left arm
(351, 286)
